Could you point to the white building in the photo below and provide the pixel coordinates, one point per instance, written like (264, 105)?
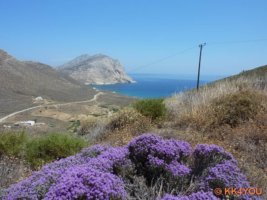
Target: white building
(27, 123)
(39, 98)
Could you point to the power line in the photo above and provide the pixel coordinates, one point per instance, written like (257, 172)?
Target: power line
(188, 49)
(162, 59)
(237, 41)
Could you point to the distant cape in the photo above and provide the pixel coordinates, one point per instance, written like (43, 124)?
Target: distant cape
(97, 69)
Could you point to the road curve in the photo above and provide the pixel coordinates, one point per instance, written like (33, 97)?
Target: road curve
(42, 106)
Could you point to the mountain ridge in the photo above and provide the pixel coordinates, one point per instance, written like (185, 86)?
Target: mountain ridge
(21, 81)
(95, 69)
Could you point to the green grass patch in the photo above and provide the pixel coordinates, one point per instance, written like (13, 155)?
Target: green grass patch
(152, 108)
(52, 146)
(12, 143)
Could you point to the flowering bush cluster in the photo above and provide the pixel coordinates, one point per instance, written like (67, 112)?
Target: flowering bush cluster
(104, 172)
(193, 196)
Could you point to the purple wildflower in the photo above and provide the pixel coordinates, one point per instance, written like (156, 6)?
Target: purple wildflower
(155, 161)
(156, 146)
(142, 146)
(177, 170)
(36, 186)
(93, 151)
(170, 197)
(94, 173)
(203, 150)
(227, 174)
(87, 183)
(110, 159)
(194, 196)
(206, 156)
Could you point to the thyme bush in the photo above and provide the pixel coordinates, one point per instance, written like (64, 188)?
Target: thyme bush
(104, 172)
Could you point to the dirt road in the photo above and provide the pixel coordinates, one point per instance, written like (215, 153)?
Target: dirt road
(42, 106)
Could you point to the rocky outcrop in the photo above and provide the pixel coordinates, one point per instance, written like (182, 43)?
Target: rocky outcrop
(97, 69)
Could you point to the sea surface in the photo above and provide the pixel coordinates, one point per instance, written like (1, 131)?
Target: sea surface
(154, 86)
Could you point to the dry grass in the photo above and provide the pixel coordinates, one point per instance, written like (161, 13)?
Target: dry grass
(237, 108)
(118, 129)
(125, 125)
(230, 113)
(12, 170)
(93, 128)
(249, 143)
(139, 189)
(200, 109)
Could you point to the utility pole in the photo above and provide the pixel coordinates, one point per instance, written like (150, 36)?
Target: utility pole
(199, 63)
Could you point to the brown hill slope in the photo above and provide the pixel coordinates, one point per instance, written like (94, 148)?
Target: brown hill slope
(21, 81)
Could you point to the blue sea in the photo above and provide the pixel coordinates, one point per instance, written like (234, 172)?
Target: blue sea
(154, 86)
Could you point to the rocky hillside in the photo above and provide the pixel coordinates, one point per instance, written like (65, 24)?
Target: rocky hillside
(97, 69)
(22, 81)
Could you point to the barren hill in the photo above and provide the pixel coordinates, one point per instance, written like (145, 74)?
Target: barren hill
(97, 69)
(22, 81)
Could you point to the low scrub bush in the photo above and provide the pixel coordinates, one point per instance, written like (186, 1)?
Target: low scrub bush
(129, 119)
(152, 108)
(236, 108)
(250, 141)
(125, 125)
(74, 126)
(116, 129)
(12, 143)
(168, 168)
(228, 102)
(51, 147)
(227, 110)
(11, 170)
(92, 129)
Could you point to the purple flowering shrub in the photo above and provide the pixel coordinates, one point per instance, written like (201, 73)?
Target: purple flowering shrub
(84, 182)
(170, 168)
(194, 196)
(208, 156)
(154, 157)
(151, 151)
(226, 174)
(38, 184)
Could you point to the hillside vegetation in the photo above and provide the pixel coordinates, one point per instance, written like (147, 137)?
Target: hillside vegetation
(212, 138)
(232, 113)
(259, 73)
(21, 153)
(149, 167)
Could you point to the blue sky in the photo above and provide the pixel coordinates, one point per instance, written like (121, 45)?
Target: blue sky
(139, 32)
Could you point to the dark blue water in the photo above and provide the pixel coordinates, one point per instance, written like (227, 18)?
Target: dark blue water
(152, 86)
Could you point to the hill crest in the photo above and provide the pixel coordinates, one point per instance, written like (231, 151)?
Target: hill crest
(96, 69)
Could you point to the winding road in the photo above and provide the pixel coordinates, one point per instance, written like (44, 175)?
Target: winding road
(42, 106)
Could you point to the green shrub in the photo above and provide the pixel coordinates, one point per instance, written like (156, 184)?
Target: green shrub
(12, 143)
(51, 147)
(152, 108)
